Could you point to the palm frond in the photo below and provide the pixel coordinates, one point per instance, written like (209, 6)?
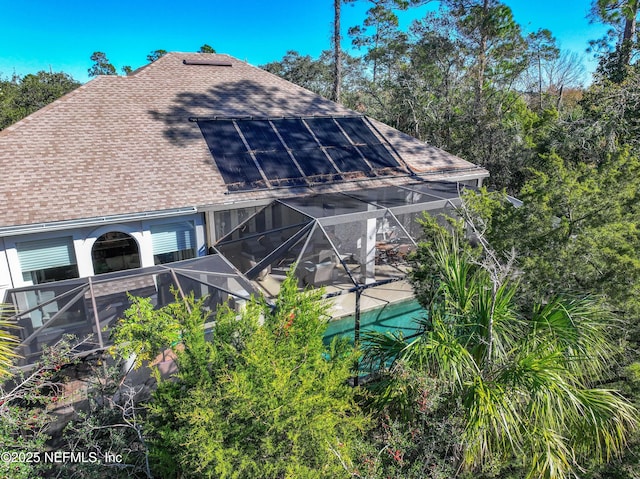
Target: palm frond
(381, 350)
(493, 422)
(579, 328)
(8, 341)
(603, 421)
(441, 351)
(531, 397)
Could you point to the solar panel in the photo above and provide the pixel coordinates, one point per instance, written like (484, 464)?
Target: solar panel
(348, 159)
(222, 137)
(327, 132)
(314, 162)
(230, 154)
(277, 165)
(378, 156)
(269, 150)
(260, 135)
(368, 143)
(304, 147)
(294, 151)
(343, 154)
(358, 131)
(295, 134)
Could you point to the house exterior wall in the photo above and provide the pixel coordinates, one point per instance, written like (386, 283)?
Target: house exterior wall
(83, 241)
(5, 273)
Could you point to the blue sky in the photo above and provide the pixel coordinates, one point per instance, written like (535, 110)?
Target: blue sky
(61, 36)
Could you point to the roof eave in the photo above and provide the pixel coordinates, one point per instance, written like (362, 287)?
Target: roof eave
(93, 222)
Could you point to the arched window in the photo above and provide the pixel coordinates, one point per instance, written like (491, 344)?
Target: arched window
(115, 251)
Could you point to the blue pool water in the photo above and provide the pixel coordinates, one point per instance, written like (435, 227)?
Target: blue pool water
(393, 317)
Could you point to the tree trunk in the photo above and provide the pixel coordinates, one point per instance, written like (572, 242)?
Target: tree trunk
(629, 33)
(482, 56)
(337, 52)
(630, 26)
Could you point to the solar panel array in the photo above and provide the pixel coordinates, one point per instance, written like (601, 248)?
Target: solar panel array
(268, 153)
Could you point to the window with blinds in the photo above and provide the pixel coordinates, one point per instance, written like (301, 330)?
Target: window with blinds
(46, 260)
(173, 242)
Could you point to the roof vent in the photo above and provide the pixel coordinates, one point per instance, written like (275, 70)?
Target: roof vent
(211, 63)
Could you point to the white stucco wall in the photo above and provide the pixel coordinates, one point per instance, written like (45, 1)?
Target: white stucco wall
(5, 275)
(83, 241)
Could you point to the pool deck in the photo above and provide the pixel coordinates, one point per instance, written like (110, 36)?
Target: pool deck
(344, 303)
(372, 298)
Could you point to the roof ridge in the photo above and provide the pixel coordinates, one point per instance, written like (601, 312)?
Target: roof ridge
(140, 71)
(145, 68)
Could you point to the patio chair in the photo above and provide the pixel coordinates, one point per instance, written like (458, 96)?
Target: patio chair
(316, 273)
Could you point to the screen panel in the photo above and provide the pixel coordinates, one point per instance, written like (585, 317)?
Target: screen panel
(440, 189)
(329, 205)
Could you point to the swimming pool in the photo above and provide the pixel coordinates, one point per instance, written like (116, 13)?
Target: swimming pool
(398, 316)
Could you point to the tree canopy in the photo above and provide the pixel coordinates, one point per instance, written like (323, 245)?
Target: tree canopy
(101, 65)
(263, 398)
(21, 96)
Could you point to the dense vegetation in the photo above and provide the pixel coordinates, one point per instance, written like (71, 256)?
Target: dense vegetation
(21, 96)
(527, 363)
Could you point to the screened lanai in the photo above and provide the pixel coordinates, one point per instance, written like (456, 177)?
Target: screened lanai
(345, 242)
(89, 307)
(354, 244)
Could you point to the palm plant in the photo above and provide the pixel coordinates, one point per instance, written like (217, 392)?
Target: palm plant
(8, 341)
(525, 380)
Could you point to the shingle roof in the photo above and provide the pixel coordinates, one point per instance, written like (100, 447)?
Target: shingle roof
(120, 145)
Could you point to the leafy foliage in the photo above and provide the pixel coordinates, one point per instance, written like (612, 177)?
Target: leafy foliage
(156, 54)
(417, 427)
(110, 424)
(525, 376)
(622, 16)
(26, 402)
(206, 48)
(101, 65)
(315, 75)
(22, 96)
(576, 230)
(263, 398)
(144, 332)
(8, 341)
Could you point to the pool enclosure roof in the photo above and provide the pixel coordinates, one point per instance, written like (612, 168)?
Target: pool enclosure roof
(409, 198)
(354, 238)
(89, 307)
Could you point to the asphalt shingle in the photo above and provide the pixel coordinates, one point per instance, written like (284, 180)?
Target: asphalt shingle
(120, 145)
